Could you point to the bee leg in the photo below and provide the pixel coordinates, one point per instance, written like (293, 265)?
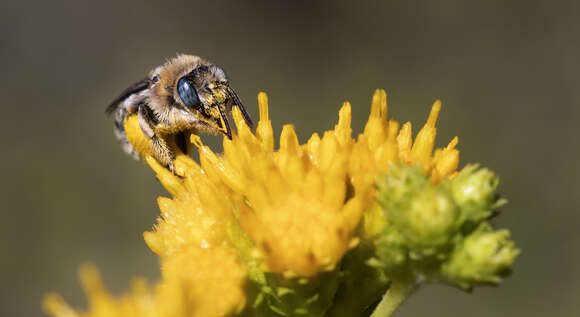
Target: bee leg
(181, 142)
(162, 152)
(159, 146)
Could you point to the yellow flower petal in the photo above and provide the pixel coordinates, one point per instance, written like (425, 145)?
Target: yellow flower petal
(425, 140)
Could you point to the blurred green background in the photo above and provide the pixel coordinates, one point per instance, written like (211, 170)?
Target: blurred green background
(507, 72)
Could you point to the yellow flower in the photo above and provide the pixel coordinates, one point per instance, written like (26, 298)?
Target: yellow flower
(294, 211)
(291, 203)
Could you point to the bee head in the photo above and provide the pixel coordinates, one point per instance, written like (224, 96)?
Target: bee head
(206, 89)
(188, 87)
(197, 88)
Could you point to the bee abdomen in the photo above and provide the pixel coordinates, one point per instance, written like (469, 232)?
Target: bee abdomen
(120, 133)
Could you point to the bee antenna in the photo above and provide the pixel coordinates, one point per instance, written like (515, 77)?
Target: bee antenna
(240, 106)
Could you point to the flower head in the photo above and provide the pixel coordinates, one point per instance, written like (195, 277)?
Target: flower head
(259, 228)
(291, 203)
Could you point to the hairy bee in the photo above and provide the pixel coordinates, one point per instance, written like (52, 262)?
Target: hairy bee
(187, 94)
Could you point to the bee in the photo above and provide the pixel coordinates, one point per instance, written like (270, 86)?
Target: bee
(187, 94)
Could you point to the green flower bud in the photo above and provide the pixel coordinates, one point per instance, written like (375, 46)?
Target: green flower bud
(399, 185)
(475, 191)
(430, 221)
(424, 214)
(482, 257)
(390, 251)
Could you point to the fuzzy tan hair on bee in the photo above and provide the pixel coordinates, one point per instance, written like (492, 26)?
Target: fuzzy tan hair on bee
(187, 94)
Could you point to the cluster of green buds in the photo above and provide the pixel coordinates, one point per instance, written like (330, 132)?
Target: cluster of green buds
(439, 232)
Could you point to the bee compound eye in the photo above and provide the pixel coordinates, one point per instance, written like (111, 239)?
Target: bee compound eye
(187, 93)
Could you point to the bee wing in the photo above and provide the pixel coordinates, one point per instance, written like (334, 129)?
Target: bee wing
(135, 88)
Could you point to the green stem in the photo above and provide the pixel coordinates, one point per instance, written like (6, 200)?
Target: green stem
(398, 292)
